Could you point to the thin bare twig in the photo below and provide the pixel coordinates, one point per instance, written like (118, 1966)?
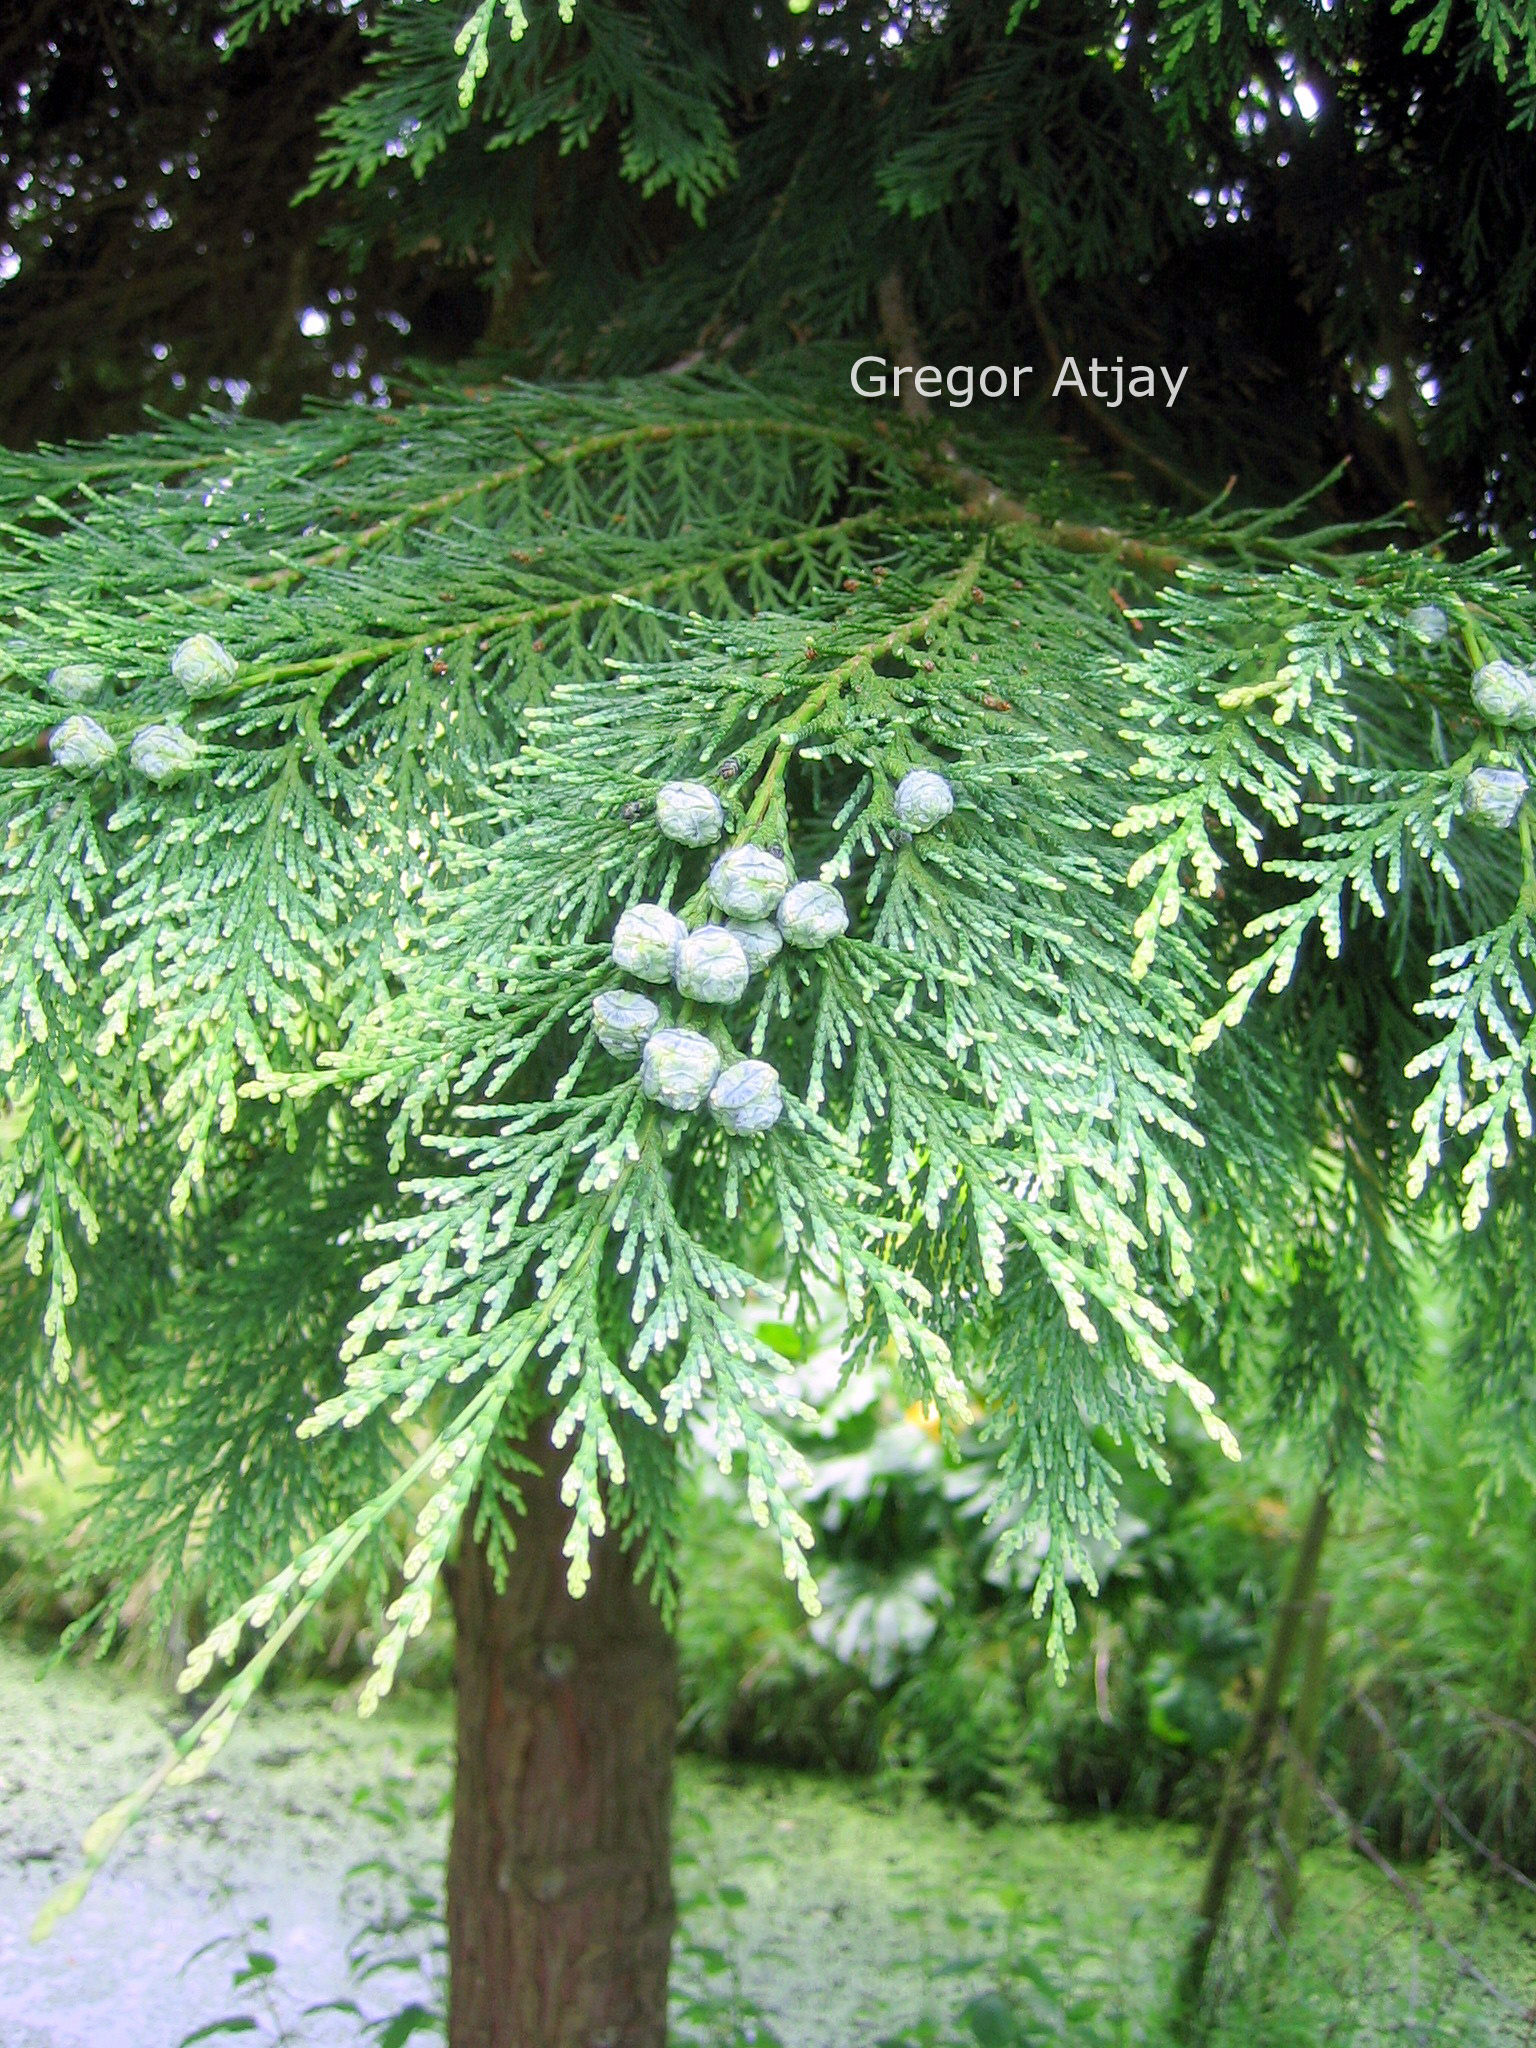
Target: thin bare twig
(1362, 1842)
(1442, 1806)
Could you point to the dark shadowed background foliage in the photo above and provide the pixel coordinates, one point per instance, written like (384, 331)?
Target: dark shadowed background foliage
(1336, 231)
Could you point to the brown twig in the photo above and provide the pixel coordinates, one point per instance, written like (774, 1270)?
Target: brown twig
(899, 332)
(980, 498)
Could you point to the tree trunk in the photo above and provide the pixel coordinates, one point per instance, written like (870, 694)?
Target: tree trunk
(560, 1910)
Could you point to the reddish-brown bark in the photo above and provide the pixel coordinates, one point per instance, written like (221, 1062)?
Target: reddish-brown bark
(560, 1910)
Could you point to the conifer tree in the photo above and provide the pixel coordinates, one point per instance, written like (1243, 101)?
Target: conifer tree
(496, 888)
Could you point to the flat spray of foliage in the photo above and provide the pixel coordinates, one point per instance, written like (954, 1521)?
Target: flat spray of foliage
(1329, 213)
(299, 1047)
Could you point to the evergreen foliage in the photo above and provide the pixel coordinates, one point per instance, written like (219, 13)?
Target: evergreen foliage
(1325, 211)
(320, 1187)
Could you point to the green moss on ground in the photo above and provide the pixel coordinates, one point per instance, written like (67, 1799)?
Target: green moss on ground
(841, 1912)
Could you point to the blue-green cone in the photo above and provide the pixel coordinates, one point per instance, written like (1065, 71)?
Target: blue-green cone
(1505, 694)
(923, 799)
(678, 1068)
(689, 813)
(81, 744)
(163, 752)
(747, 1097)
(202, 666)
(1491, 797)
(711, 965)
(812, 915)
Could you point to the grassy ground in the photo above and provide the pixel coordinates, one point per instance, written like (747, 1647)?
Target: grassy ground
(840, 1911)
(819, 1912)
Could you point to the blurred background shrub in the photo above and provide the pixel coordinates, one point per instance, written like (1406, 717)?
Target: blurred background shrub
(927, 1662)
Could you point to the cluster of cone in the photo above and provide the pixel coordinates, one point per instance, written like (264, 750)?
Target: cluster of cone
(1505, 695)
(762, 911)
(160, 752)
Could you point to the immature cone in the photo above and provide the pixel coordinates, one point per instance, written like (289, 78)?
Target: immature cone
(748, 881)
(760, 941)
(623, 1022)
(1428, 623)
(711, 965)
(1505, 694)
(644, 940)
(747, 1098)
(689, 813)
(812, 915)
(80, 743)
(1492, 797)
(923, 799)
(163, 752)
(77, 681)
(678, 1068)
(202, 666)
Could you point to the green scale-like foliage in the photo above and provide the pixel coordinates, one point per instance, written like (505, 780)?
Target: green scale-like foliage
(322, 1183)
(1324, 214)
(1333, 751)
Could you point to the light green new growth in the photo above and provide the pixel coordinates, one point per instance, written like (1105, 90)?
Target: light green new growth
(1332, 724)
(475, 36)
